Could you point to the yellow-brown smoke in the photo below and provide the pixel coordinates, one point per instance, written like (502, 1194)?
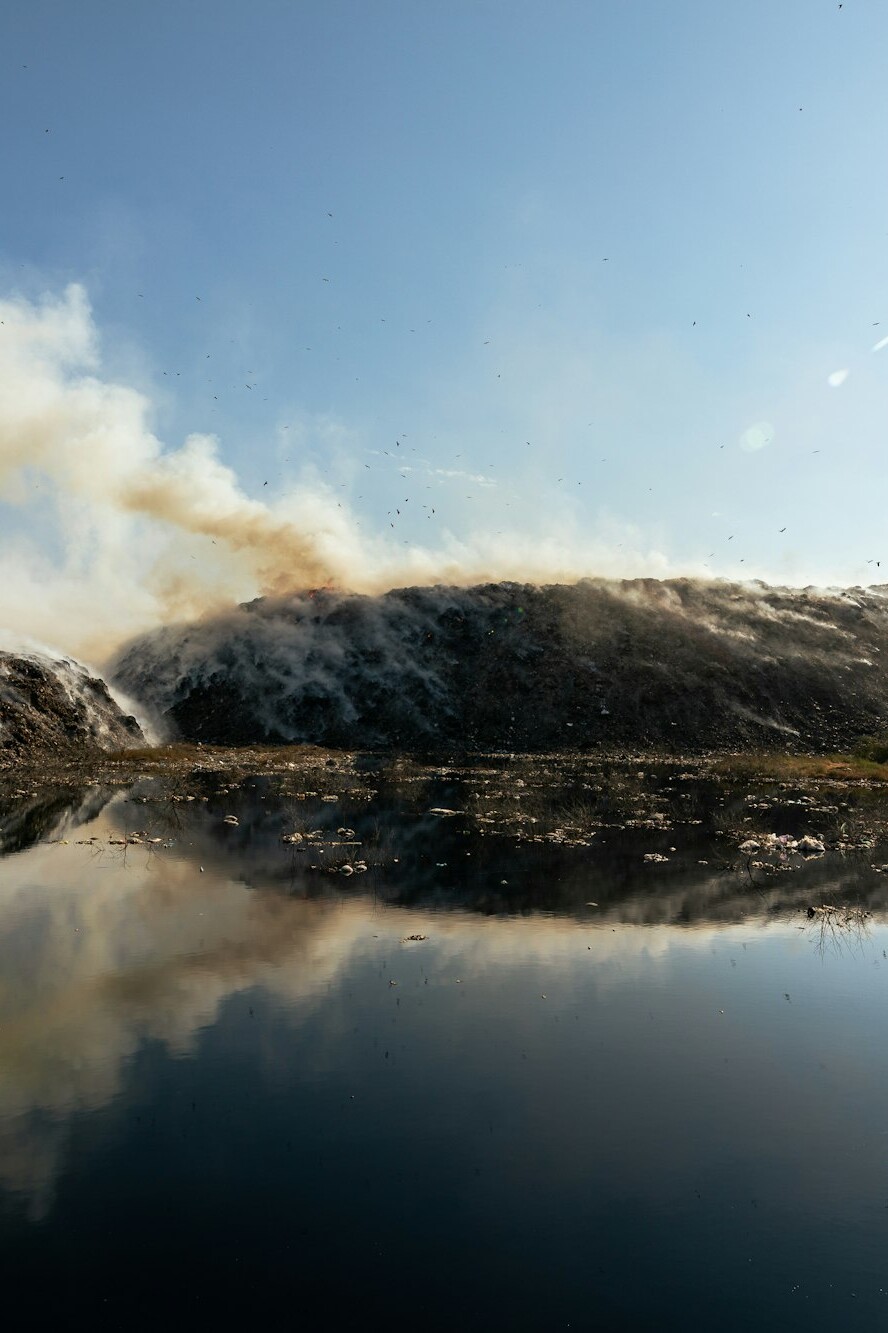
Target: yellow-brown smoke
(128, 534)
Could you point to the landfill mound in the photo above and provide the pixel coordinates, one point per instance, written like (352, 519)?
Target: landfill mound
(677, 664)
(52, 705)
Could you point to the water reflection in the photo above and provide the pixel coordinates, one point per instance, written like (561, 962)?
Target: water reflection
(598, 1067)
(33, 815)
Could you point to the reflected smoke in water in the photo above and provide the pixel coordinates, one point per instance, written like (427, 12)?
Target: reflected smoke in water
(106, 947)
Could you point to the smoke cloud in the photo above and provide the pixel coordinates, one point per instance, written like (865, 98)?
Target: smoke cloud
(109, 531)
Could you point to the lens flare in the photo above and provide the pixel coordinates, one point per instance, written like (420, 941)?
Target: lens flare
(756, 437)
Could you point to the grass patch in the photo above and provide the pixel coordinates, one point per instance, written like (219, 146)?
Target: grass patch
(787, 767)
(873, 748)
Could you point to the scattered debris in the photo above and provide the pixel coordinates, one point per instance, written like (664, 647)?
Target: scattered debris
(844, 916)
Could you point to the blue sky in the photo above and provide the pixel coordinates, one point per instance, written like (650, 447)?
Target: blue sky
(624, 232)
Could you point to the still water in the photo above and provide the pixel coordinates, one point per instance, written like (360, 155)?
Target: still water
(486, 1083)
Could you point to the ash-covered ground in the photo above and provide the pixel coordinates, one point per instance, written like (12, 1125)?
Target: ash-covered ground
(54, 705)
(679, 665)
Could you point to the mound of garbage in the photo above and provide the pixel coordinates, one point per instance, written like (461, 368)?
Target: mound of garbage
(679, 664)
(53, 705)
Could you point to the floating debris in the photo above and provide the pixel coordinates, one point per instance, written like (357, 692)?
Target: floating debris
(841, 916)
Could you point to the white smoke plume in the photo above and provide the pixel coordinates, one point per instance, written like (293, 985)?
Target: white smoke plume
(118, 532)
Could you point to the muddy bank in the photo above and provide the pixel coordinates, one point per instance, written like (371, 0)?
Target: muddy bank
(678, 665)
(53, 706)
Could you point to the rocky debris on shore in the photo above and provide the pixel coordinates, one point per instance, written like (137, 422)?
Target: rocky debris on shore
(677, 665)
(52, 705)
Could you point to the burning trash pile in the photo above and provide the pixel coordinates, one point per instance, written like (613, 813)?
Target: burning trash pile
(678, 664)
(50, 704)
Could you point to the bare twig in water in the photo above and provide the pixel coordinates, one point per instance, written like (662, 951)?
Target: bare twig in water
(838, 928)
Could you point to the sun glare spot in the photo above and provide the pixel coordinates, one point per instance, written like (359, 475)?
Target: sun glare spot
(756, 437)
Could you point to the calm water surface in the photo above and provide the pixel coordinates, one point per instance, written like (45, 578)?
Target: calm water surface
(596, 1092)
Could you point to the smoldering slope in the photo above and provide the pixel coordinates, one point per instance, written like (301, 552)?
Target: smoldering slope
(124, 533)
(129, 541)
(632, 664)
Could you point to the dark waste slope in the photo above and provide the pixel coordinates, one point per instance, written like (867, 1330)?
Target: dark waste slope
(53, 705)
(636, 663)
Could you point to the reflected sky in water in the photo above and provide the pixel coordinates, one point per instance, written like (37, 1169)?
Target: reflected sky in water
(235, 1083)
